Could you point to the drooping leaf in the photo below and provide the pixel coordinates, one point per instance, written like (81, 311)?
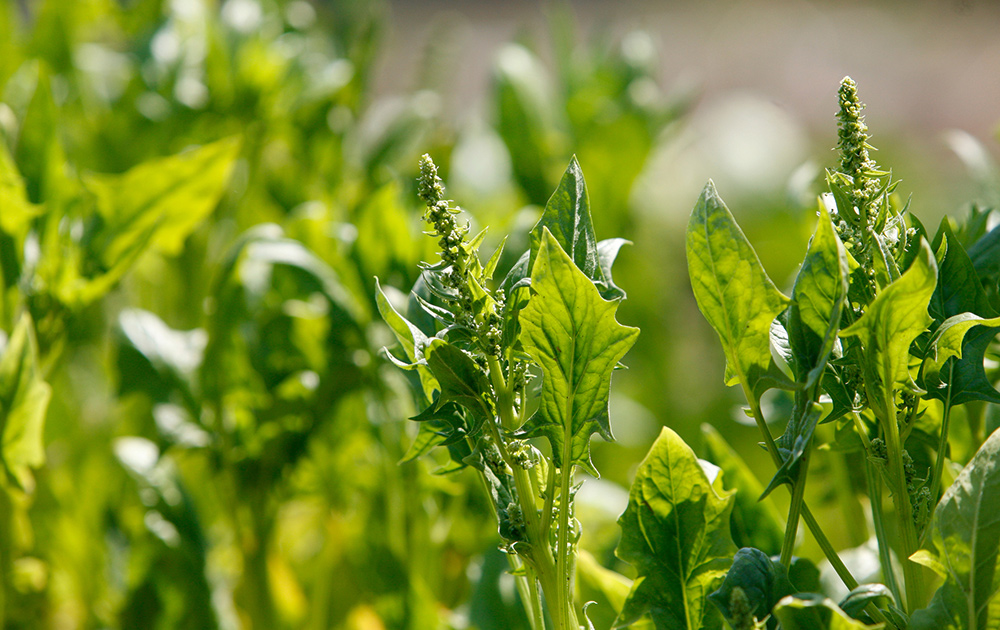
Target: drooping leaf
(896, 317)
(964, 539)
(675, 532)
(24, 399)
(754, 523)
(607, 252)
(856, 601)
(763, 581)
(814, 612)
(733, 293)
(571, 332)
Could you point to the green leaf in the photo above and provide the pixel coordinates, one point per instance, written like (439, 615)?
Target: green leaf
(812, 320)
(526, 115)
(894, 320)
(963, 338)
(856, 601)
(763, 580)
(948, 610)
(814, 612)
(675, 532)
(571, 332)
(605, 588)
(18, 211)
(733, 293)
(754, 523)
(818, 298)
(959, 294)
(964, 538)
(410, 338)
(985, 255)
(567, 218)
(24, 399)
(461, 380)
(161, 201)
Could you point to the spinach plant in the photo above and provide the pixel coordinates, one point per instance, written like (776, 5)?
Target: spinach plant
(530, 357)
(884, 334)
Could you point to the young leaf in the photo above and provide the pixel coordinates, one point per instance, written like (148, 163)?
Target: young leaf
(461, 380)
(733, 293)
(754, 523)
(675, 532)
(24, 398)
(964, 540)
(763, 581)
(813, 320)
(897, 317)
(567, 218)
(818, 298)
(571, 332)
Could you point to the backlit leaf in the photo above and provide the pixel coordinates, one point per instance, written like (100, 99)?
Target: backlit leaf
(733, 292)
(675, 532)
(24, 399)
(571, 332)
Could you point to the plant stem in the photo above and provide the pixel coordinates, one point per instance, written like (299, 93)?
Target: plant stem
(552, 573)
(794, 509)
(942, 447)
(884, 550)
(912, 576)
(810, 520)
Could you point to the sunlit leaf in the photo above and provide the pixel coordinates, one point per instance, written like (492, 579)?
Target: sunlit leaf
(571, 332)
(24, 399)
(733, 293)
(675, 532)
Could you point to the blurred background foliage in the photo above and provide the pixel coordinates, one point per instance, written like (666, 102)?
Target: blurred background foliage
(196, 197)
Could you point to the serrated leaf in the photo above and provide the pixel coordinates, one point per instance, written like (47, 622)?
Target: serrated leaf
(571, 332)
(964, 538)
(733, 293)
(894, 320)
(675, 532)
(763, 581)
(754, 523)
(24, 399)
(959, 294)
(814, 612)
(461, 380)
